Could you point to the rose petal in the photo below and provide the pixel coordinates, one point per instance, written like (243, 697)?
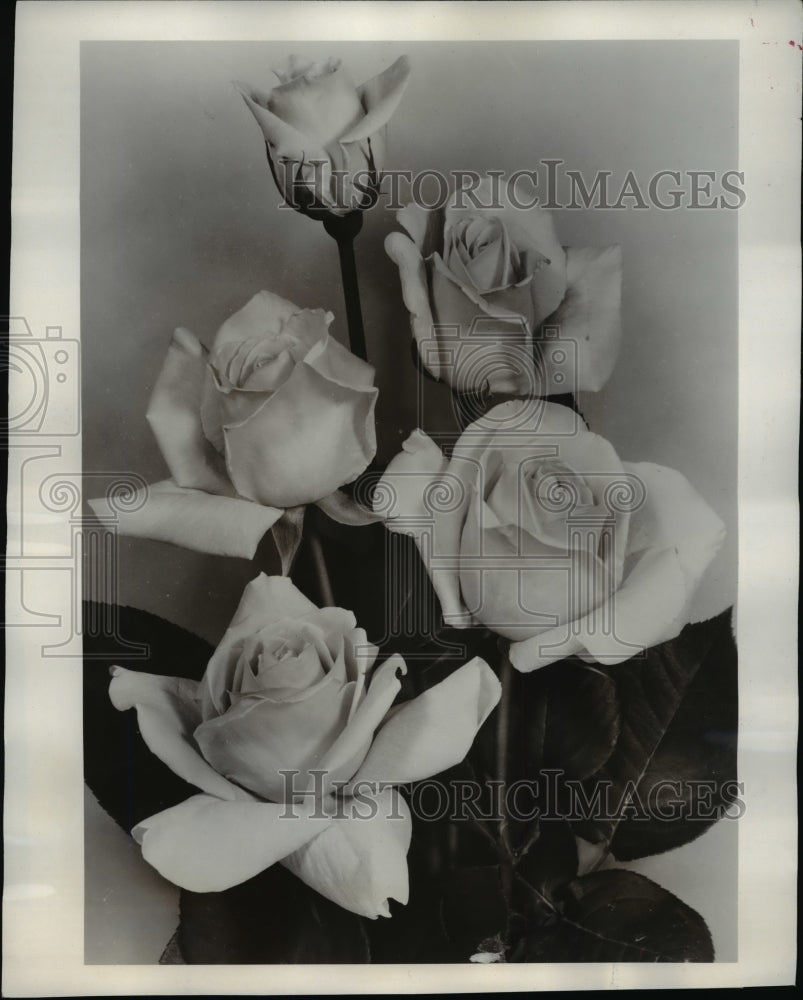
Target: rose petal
(258, 738)
(174, 415)
(494, 271)
(343, 509)
(500, 363)
(483, 271)
(166, 512)
(279, 658)
(541, 650)
(349, 750)
(282, 666)
(211, 420)
(510, 503)
(360, 655)
(518, 591)
(306, 329)
(491, 347)
(541, 593)
(331, 359)
(533, 296)
(206, 845)
(322, 430)
(312, 182)
(529, 431)
(465, 468)
(401, 494)
(267, 315)
(380, 97)
(267, 327)
(360, 164)
(514, 299)
(363, 163)
(674, 514)
(332, 620)
(415, 293)
(455, 302)
(645, 610)
(530, 229)
(286, 141)
(360, 861)
(167, 714)
(324, 106)
(296, 65)
(265, 601)
(679, 535)
(540, 516)
(513, 424)
(415, 483)
(525, 430)
(433, 731)
(258, 365)
(590, 317)
(425, 226)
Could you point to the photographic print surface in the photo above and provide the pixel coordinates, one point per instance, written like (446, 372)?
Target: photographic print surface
(634, 145)
(407, 547)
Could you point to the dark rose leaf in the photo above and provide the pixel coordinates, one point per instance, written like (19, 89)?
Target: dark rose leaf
(128, 780)
(272, 918)
(615, 916)
(692, 774)
(564, 719)
(664, 727)
(551, 861)
(582, 718)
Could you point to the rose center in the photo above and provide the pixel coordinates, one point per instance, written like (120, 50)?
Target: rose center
(557, 488)
(479, 251)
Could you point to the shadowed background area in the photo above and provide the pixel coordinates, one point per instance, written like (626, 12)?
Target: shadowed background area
(181, 225)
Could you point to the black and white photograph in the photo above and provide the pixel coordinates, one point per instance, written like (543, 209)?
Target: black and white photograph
(402, 514)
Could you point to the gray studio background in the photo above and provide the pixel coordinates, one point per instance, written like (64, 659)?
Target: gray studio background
(180, 226)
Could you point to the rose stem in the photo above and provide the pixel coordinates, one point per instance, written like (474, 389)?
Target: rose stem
(502, 737)
(503, 718)
(324, 583)
(343, 229)
(462, 411)
(453, 843)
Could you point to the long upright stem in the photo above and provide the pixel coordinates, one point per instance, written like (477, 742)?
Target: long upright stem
(503, 720)
(321, 572)
(343, 230)
(502, 748)
(503, 738)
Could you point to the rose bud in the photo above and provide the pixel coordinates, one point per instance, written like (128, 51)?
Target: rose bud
(325, 137)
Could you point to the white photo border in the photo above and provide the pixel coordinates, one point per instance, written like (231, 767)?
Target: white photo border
(43, 947)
